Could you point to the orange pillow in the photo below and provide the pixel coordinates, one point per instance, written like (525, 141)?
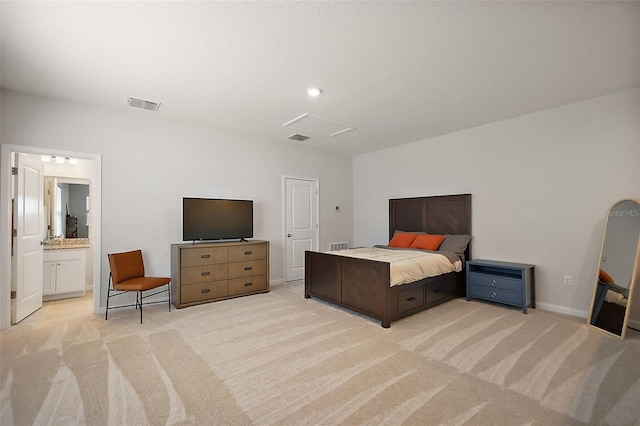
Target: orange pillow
(402, 239)
(427, 242)
(604, 277)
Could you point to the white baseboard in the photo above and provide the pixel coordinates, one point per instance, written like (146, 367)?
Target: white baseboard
(577, 313)
(634, 324)
(562, 310)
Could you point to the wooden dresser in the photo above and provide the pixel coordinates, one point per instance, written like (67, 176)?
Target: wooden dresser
(208, 272)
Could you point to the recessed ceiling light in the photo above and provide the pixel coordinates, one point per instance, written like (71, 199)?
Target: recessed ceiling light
(314, 91)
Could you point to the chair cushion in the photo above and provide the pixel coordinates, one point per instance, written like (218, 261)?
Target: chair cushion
(126, 265)
(141, 283)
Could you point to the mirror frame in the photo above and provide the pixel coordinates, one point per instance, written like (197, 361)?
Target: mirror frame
(634, 275)
(63, 179)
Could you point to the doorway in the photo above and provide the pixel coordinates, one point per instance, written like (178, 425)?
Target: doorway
(7, 152)
(301, 223)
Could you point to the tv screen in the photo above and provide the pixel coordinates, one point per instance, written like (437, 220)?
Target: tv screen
(216, 219)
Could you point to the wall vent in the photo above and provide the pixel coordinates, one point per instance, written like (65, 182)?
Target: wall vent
(298, 137)
(141, 103)
(338, 246)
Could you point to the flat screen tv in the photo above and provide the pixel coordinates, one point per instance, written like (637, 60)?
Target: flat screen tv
(216, 219)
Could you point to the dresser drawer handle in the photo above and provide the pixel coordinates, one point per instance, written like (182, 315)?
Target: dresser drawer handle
(205, 256)
(248, 268)
(493, 294)
(205, 290)
(493, 282)
(437, 290)
(205, 273)
(248, 284)
(409, 299)
(248, 252)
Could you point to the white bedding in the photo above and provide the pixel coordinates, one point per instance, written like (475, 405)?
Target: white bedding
(406, 265)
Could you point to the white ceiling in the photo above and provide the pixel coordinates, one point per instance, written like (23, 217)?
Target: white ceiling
(397, 71)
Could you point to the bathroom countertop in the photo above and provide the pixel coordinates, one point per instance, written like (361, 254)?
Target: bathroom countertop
(67, 243)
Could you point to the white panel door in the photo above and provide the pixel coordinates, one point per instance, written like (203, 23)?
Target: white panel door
(301, 223)
(29, 225)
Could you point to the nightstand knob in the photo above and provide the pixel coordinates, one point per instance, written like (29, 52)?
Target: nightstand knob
(493, 294)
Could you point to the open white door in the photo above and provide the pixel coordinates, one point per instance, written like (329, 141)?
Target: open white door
(301, 223)
(28, 213)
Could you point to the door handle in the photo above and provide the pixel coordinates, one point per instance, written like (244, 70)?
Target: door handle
(289, 235)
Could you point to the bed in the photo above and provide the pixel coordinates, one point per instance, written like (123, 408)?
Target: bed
(364, 285)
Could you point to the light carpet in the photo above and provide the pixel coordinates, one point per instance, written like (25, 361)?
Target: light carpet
(278, 358)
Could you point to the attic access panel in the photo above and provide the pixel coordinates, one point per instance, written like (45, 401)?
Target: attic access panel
(312, 125)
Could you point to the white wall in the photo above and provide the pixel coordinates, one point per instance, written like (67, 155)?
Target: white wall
(541, 185)
(150, 164)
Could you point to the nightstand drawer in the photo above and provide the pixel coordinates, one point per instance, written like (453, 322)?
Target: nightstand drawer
(496, 281)
(495, 295)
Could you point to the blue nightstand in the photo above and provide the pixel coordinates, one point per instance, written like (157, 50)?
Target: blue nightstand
(502, 282)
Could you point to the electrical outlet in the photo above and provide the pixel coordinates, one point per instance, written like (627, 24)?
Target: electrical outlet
(567, 280)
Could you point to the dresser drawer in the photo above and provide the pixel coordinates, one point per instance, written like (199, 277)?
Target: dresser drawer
(203, 256)
(246, 269)
(497, 281)
(203, 291)
(410, 299)
(201, 274)
(247, 284)
(496, 295)
(247, 252)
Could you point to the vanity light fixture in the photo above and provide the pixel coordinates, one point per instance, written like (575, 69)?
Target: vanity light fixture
(314, 92)
(59, 160)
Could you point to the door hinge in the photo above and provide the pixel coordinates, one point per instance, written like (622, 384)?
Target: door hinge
(14, 171)
(13, 294)
(15, 232)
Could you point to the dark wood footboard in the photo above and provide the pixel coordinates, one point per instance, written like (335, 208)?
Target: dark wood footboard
(363, 286)
(358, 284)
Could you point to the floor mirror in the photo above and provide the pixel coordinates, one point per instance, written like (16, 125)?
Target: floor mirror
(617, 271)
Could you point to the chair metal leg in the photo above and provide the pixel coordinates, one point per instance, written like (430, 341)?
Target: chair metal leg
(140, 292)
(169, 291)
(106, 312)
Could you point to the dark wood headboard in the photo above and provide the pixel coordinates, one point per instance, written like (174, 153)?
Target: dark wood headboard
(441, 214)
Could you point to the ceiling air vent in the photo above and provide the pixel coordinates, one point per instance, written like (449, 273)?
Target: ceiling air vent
(298, 137)
(141, 103)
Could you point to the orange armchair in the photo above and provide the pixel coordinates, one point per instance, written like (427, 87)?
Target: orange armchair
(127, 275)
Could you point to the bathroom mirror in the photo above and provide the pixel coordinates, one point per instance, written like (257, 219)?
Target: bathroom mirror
(618, 268)
(67, 206)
